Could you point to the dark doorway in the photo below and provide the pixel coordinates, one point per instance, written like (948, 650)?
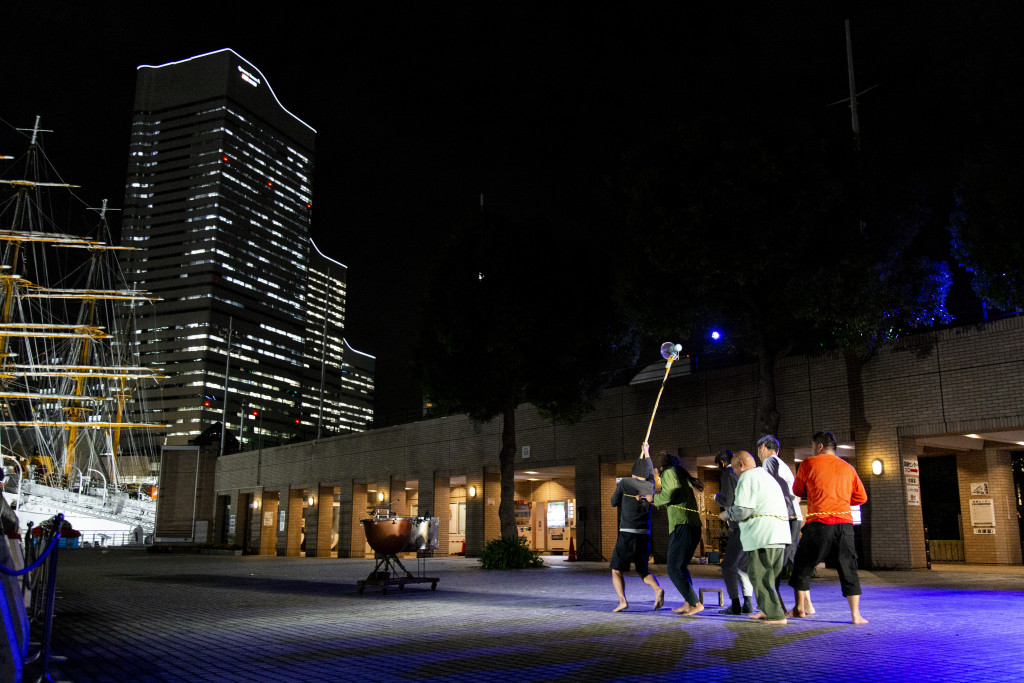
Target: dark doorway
(224, 517)
(940, 507)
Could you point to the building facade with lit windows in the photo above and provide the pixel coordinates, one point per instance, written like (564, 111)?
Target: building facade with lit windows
(218, 203)
(337, 396)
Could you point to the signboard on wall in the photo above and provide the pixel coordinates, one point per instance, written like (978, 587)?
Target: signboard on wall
(280, 520)
(910, 467)
(983, 513)
(979, 488)
(268, 519)
(913, 495)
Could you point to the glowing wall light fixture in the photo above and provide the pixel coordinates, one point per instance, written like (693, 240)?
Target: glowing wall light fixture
(876, 466)
(380, 496)
(472, 492)
(256, 504)
(310, 500)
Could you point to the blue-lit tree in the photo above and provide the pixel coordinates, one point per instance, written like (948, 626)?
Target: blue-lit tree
(779, 237)
(987, 227)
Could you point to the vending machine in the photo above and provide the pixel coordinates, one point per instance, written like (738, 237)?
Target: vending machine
(524, 521)
(559, 530)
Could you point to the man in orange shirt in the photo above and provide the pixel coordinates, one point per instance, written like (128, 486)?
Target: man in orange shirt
(831, 486)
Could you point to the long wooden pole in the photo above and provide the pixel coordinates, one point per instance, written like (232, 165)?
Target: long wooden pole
(668, 368)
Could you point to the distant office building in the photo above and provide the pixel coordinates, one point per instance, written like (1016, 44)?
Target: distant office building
(338, 395)
(218, 202)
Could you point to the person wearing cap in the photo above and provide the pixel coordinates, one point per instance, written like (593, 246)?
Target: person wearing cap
(633, 496)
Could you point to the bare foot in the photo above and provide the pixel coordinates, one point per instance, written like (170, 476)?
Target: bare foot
(756, 615)
(774, 622)
(699, 607)
(622, 606)
(659, 599)
(859, 620)
(681, 609)
(795, 614)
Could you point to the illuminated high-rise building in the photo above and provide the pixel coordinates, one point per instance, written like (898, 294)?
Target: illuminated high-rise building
(338, 394)
(218, 203)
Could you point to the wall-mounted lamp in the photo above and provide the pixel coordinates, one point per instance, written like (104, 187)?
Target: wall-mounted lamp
(310, 499)
(876, 467)
(256, 504)
(380, 496)
(472, 492)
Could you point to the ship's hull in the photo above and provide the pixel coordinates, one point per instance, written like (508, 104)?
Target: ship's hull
(101, 521)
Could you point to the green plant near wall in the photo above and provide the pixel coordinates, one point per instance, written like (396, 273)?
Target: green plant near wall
(501, 553)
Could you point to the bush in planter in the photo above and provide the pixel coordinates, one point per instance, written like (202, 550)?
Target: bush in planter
(503, 554)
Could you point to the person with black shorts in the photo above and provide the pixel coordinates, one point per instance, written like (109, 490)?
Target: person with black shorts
(633, 496)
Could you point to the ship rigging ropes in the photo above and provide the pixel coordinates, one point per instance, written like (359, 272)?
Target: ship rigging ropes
(69, 365)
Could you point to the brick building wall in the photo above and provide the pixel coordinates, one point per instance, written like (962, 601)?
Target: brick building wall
(948, 382)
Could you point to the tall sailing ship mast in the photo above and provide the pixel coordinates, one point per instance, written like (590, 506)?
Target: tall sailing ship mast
(68, 370)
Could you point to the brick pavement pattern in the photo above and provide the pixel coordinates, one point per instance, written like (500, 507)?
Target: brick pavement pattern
(129, 615)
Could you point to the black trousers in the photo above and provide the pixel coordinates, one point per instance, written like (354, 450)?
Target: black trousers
(817, 542)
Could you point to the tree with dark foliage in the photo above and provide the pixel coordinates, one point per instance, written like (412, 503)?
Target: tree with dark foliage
(769, 236)
(517, 313)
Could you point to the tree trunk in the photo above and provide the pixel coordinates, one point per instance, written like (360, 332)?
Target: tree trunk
(507, 460)
(767, 407)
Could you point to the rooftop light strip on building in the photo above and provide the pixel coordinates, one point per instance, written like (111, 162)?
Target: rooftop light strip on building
(248, 63)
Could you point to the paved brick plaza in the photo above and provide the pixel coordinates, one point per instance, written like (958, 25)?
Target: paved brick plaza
(128, 615)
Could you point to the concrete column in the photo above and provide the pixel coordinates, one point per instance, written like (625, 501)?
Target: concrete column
(425, 494)
(475, 523)
(293, 523)
(268, 532)
(590, 506)
(398, 496)
(492, 498)
(324, 521)
(358, 510)
(892, 531)
(441, 508)
(992, 468)
(311, 520)
(606, 519)
(1001, 486)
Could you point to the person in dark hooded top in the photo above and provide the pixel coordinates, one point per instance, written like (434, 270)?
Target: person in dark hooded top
(633, 496)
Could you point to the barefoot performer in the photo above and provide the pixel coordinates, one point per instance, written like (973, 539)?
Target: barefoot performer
(633, 496)
(831, 486)
(760, 510)
(768, 451)
(684, 525)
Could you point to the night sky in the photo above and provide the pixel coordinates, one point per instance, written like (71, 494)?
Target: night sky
(422, 107)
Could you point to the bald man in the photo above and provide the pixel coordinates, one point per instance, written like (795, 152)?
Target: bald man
(760, 509)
